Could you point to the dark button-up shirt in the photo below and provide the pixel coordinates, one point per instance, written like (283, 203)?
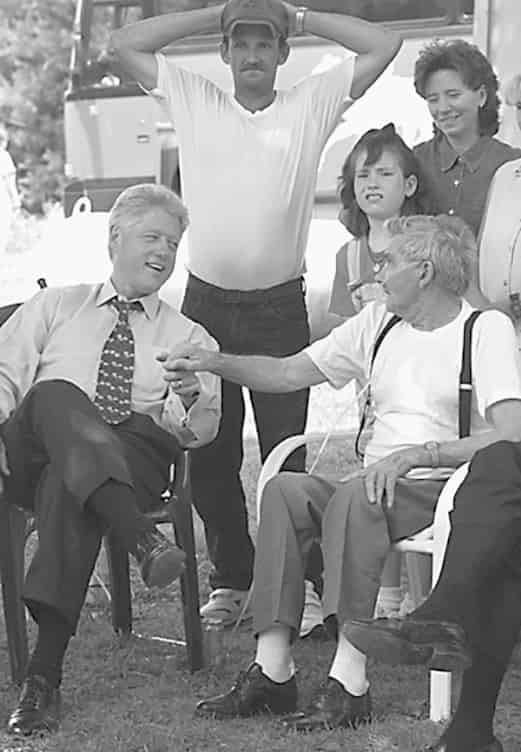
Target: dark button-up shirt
(460, 182)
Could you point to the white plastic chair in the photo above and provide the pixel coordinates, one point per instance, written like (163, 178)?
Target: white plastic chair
(431, 541)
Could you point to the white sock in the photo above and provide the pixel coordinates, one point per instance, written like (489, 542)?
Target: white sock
(274, 653)
(348, 667)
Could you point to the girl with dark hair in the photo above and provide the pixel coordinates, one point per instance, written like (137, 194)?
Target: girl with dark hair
(381, 178)
(461, 90)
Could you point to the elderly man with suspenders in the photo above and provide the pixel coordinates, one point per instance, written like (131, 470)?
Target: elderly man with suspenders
(418, 438)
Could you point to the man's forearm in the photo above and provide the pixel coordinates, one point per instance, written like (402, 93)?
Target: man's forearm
(455, 453)
(258, 372)
(353, 33)
(153, 34)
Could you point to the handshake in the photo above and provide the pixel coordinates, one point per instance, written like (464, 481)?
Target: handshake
(180, 365)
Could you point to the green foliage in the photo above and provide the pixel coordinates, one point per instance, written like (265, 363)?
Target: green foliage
(35, 41)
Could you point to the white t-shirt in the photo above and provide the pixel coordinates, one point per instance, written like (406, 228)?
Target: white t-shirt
(415, 376)
(248, 179)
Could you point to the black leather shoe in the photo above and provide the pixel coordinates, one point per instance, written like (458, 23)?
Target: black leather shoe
(160, 561)
(38, 708)
(441, 746)
(333, 707)
(251, 694)
(439, 645)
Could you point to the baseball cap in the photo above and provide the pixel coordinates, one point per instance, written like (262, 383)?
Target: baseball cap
(269, 13)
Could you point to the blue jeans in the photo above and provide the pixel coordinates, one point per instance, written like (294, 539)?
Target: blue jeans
(261, 322)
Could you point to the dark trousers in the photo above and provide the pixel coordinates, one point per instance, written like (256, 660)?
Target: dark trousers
(480, 582)
(59, 452)
(262, 322)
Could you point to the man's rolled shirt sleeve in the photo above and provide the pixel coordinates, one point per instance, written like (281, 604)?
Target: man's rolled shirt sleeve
(199, 424)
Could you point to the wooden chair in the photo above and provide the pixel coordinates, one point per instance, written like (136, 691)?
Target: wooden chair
(429, 542)
(174, 508)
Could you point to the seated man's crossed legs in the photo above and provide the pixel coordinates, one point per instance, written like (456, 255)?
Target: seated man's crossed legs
(82, 478)
(297, 510)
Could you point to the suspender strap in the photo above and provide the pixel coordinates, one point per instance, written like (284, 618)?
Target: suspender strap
(363, 419)
(465, 377)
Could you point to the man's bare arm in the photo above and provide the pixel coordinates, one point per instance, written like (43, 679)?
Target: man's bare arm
(375, 45)
(135, 45)
(259, 372)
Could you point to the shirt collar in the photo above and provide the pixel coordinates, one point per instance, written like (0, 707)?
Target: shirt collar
(150, 302)
(471, 158)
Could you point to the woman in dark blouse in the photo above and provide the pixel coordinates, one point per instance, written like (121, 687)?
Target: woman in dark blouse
(460, 88)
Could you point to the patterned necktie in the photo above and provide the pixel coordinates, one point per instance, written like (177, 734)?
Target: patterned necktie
(116, 368)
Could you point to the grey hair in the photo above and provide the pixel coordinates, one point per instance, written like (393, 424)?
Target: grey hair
(513, 91)
(136, 200)
(447, 242)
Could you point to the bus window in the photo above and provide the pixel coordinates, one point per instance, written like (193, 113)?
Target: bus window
(370, 10)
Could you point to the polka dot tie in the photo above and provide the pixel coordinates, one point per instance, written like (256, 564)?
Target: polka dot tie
(116, 368)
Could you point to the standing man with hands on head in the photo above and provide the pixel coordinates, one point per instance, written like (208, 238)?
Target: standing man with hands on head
(249, 161)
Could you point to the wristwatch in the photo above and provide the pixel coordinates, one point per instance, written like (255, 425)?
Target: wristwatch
(299, 19)
(433, 448)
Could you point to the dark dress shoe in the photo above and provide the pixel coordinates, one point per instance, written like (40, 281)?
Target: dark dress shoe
(38, 708)
(441, 746)
(439, 645)
(251, 694)
(160, 561)
(333, 707)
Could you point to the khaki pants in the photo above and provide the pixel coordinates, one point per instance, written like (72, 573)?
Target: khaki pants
(355, 536)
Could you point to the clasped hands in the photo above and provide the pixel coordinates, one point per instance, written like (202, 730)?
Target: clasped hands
(180, 364)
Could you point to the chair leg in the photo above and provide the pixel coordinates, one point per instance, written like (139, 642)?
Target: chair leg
(12, 549)
(419, 575)
(184, 534)
(119, 574)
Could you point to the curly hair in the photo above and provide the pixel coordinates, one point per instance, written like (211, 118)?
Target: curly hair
(474, 69)
(373, 143)
(447, 242)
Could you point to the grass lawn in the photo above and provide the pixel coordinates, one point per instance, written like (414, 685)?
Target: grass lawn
(141, 697)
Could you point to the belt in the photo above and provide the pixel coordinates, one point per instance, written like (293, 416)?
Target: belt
(293, 288)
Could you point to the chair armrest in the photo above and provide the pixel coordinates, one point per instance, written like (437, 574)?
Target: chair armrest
(275, 460)
(441, 525)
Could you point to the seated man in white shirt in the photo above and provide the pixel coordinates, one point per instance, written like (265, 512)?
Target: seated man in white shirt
(89, 427)
(414, 446)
